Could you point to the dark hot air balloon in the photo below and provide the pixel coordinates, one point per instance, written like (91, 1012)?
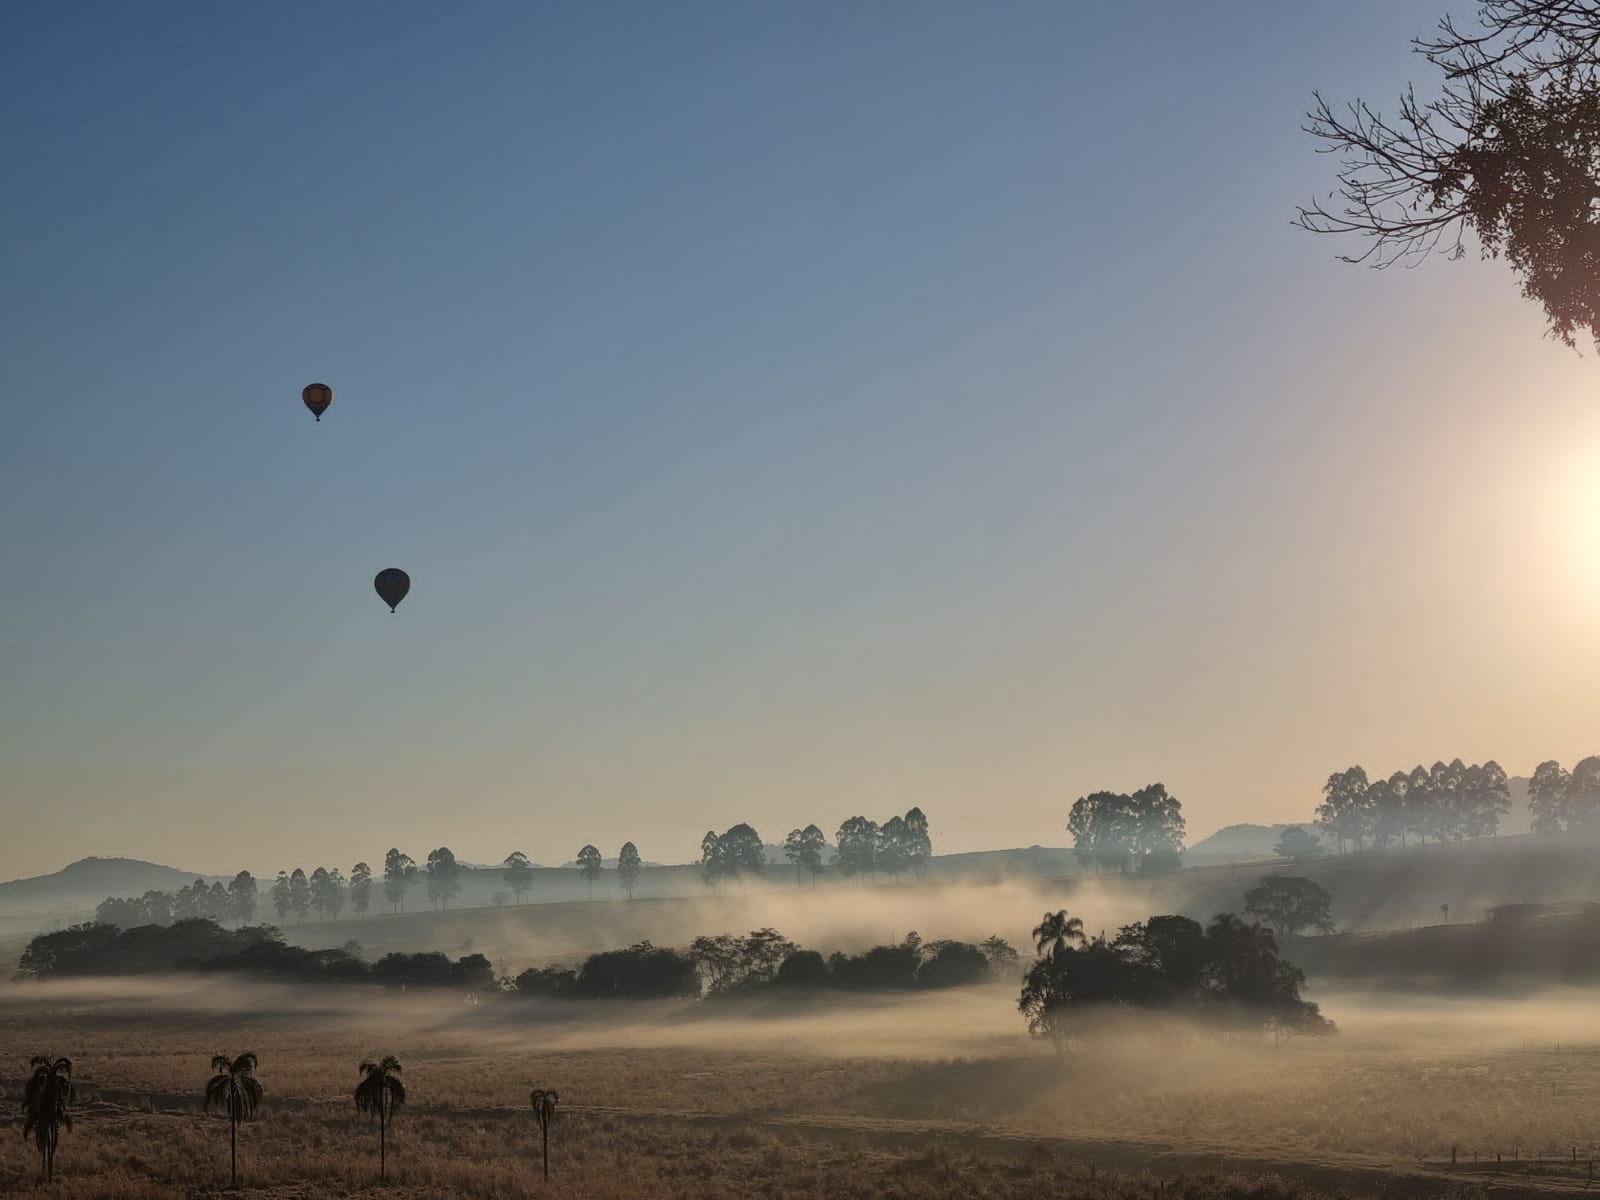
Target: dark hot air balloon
(317, 397)
(392, 584)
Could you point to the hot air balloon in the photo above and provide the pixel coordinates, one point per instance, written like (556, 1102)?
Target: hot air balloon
(317, 397)
(392, 584)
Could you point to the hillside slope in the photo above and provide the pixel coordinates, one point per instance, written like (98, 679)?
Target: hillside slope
(71, 894)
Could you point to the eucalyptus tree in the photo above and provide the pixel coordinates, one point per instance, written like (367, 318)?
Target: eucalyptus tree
(803, 848)
(544, 1102)
(242, 897)
(360, 888)
(443, 876)
(518, 873)
(628, 867)
(234, 1091)
(590, 865)
(299, 894)
(280, 896)
(45, 1103)
(399, 873)
(378, 1094)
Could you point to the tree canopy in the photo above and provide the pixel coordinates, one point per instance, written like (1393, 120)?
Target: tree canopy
(1506, 148)
(1140, 832)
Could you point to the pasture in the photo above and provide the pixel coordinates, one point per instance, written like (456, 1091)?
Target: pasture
(923, 1096)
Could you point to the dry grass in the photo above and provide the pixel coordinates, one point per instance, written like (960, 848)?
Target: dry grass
(658, 1105)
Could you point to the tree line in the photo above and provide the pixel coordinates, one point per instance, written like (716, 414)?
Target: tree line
(762, 960)
(1228, 972)
(1562, 802)
(720, 965)
(1445, 803)
(1141, 832)
(198, 944)
(861, 847)
(902, 843)
(326, 891)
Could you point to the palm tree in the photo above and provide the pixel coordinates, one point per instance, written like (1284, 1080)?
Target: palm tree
(544, 1111)
(1056, 933)
(380, 1093)
(235, 1091)
(44, 1106)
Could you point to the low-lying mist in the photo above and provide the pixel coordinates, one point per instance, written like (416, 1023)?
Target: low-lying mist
(848, 919)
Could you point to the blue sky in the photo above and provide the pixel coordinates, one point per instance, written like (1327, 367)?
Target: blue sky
(783, 412)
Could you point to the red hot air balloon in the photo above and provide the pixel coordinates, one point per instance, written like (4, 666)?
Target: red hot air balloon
(317, 397)
(392, 585)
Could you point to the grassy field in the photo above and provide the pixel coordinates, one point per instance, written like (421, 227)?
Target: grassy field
(929, 1097)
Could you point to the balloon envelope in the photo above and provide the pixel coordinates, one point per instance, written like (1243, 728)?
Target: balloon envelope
(317, 397)
(392, 584)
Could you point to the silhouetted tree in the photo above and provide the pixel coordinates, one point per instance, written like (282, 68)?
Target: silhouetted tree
(1250, 982)
(444, 876)
(45, 1102)
(360, 888)
(124, 914)
(1231, 972)
(157, 907)
(1505, 149)
(378, 1094)
(327, 892)
(737, 852)
(399, 873)
(639, 972)
(1485, 798)
(804, 848)
(1547, 797)
(282, 902)
(1583, 794)
(242, 898)
(1289, 903)
(743, 851)
(952, 964)
(218, 904)
(1057, 933)
(299, 894)
(1386, 810)
(894, 851)
(803, 969)
(1168, 956)
(918, 841)
(882, 968)
(189, 902)
(729, 963)
(544, 1103)
(1420, 802)
(1002, 955)
(1143, 831)
(234, 1091)
(518, 873)
(1297, 844)
(590, 866)
(857, 842)
(628, 867)
(1344, 811)
(710, 854)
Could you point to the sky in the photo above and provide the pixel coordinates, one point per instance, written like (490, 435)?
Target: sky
(783, 411)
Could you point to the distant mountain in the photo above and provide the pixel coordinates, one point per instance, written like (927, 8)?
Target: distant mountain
(71, 894)
(102, 877)
(1240, 843)
(1252, 843)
